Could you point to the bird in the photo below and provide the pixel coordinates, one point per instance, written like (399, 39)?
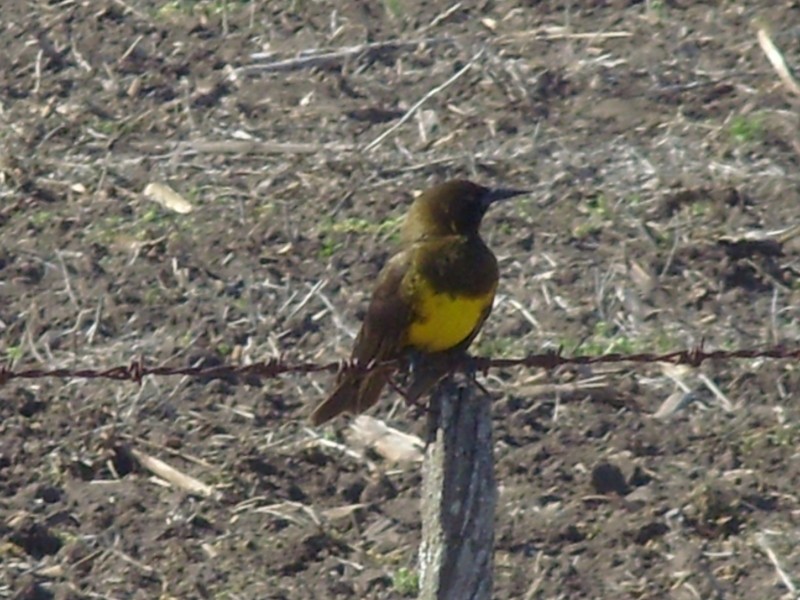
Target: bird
(430, 299)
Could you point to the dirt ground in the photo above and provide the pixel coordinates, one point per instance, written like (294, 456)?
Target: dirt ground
(663, 152)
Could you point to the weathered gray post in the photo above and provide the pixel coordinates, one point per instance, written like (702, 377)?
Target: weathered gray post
(458, 495)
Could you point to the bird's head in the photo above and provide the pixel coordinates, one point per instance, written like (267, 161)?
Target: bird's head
(452, 208)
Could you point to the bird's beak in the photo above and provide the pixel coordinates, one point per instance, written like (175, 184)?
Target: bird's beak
(497, 194)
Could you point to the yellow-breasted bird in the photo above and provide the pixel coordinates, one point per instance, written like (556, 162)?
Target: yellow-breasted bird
(431, 298)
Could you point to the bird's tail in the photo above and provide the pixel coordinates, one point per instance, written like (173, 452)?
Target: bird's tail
(355, 393)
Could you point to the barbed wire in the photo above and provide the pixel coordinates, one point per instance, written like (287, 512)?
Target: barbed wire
(273, 368)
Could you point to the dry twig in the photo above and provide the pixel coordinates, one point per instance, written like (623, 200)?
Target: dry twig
(778, 63)
(379, 140)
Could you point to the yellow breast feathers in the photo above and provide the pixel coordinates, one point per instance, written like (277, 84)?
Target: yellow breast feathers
(443, 320)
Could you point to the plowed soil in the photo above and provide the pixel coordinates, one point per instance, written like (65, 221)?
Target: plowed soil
(663, 155)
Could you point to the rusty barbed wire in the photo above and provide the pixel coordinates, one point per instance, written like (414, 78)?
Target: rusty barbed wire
(275, 367)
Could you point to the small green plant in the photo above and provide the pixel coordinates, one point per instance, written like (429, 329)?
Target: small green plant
(664, 342)
(778, 436)
(700, 209)
(361, 225)
(598, 212)
(394, 8)
(406, 582)
(599, 207)
(351, 225)
(746, 128)
(106, 229)
(186, 339)
(171, 8)
(13, 354)
(152, 296)
(105, 126)
(590, 347)
(622, 344)
(496, 347)
(634, 199)
(586, 229)
(391, 225)
(606, 339)
(784, 436)
(656, 7)
(328, 248)
(41, 218)
(357, 225)
(152, 216)
(505, 229)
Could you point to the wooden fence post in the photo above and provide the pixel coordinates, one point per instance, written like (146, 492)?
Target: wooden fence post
(458, 495)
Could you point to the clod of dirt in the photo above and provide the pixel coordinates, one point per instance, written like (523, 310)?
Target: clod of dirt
(310, 549)
(571, 534)
(30, 589)
(378, 489)
(716, 511)
(608, 479)
(49, 493)
(29, 405)
(650, 531)
(721, 198)
(35, 539)
(350, 488)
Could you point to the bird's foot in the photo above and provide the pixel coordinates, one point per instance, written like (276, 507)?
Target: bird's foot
(471, 366)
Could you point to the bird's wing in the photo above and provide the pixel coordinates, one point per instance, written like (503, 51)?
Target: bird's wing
(383, 331)
(381, 337)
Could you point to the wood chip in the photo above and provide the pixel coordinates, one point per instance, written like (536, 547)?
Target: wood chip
(778, 63)
(172, 475)
(167, 197)
(390, 443)
(341, 512)
(675, 402)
